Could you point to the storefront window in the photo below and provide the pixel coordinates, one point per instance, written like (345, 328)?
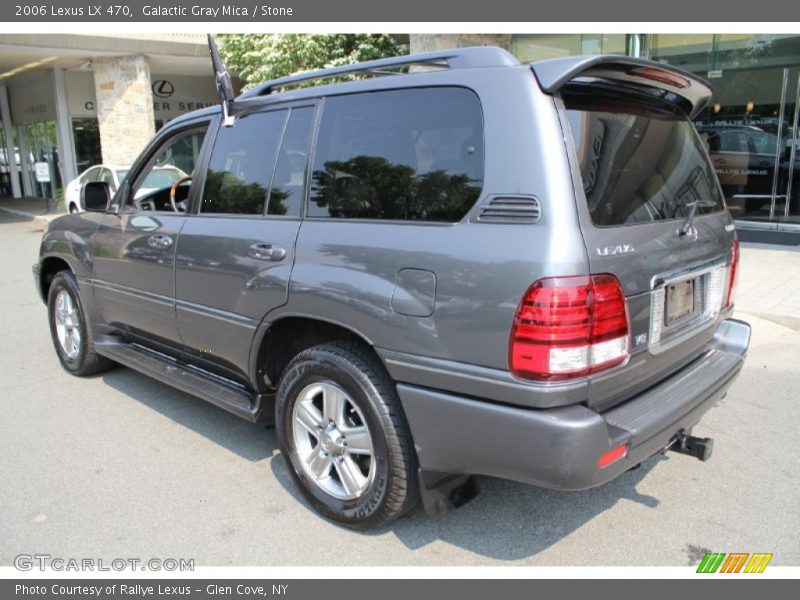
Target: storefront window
(41, 155)
(543, 46)
(750, 125)
(5, 166)
(86, 133)
(692, 52)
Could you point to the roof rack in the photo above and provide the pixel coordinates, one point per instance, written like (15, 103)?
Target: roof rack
(457, 58)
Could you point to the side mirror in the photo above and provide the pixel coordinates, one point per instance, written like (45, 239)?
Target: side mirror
(95, 196)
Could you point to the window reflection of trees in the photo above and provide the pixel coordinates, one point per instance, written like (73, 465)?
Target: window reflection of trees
(372, 187)
(229, 193)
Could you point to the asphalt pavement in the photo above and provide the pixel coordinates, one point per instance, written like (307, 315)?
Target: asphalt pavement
(119, 465)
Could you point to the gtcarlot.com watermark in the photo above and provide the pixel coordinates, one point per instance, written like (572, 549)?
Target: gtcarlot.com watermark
(44, 562)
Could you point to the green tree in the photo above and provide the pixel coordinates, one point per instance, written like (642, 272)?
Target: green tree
(259, 57)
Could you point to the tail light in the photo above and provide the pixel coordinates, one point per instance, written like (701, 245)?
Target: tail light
(733, 275)
(569, 327)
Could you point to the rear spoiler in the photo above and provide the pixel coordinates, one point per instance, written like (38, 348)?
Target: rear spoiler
(680, 87)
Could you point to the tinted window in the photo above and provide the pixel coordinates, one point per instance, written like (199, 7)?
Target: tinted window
(241, 164)
(404, 154)
(288, 182)
(639, 164)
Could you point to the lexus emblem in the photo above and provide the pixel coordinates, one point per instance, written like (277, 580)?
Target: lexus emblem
(163, 88)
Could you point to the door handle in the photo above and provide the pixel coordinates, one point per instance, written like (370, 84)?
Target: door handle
(267, 252)
(159, 241)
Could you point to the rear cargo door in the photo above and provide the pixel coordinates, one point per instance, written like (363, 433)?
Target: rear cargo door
(652, 214)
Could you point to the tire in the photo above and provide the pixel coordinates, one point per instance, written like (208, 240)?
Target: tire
(67, 315)
(388, 478)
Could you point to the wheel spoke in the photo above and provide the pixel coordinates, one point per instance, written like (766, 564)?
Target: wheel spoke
(318, 464)
(358, 440)
(333, 404)
(350, 475)
(309, 417)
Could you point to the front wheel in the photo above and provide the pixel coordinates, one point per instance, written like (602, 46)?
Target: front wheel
(344, 435)
(70, 329)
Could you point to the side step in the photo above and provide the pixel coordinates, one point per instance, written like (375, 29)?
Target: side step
(216, 390)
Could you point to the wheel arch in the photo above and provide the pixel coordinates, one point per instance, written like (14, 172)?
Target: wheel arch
(278, 341)
(49, 267)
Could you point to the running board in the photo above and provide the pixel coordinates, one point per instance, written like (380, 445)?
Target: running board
(216, 390)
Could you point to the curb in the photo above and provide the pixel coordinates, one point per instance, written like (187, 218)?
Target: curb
(45, 219)
(785, 319)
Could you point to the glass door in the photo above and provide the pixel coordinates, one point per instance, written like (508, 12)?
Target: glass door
(790, 164)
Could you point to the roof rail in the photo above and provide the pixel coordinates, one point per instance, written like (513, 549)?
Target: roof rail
(457, 58)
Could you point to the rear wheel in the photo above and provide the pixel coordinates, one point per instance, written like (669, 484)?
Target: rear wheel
(70, 329)
(344, 435)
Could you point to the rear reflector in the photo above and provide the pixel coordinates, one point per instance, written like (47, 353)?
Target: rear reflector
(569, 327)
(733, 275)
(612, 456)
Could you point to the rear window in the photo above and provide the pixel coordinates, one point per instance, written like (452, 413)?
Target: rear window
(412, 155)
(639, 163)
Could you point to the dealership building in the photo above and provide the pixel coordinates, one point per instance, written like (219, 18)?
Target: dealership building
(71, 101)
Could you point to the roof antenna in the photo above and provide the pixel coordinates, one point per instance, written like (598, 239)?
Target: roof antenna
(223, 81)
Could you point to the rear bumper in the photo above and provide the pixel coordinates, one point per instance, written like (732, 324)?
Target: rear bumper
(559, 447)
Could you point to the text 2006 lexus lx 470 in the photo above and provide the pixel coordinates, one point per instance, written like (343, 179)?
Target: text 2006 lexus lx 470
(482, 268)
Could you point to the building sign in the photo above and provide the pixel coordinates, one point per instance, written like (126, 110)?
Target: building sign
(42, 172)
(31, 99)
(173, 95)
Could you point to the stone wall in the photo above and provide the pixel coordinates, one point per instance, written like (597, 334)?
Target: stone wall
(124, 107)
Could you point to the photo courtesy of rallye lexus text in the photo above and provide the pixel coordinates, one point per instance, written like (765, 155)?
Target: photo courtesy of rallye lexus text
(482, 267)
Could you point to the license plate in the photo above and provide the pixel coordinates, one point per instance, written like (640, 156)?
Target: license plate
(680, 300)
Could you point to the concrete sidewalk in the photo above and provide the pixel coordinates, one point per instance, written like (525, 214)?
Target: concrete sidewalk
(769, 284)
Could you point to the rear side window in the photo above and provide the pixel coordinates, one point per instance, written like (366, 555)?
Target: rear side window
(639, 163)
(241, 164)
(411, 155)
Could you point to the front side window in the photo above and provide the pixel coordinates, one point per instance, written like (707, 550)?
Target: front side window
(165, 182)
(412, 155)
(241, 164)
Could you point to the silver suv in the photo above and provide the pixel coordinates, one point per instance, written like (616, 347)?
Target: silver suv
(468, 267)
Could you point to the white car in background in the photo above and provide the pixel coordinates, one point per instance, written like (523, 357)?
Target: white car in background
(159, 178)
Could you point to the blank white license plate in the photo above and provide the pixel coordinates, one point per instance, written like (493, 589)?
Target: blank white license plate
(680, 300)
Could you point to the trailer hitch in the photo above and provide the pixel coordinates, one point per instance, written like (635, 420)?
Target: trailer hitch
(700, 448)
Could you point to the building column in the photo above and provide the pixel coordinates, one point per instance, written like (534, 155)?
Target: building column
(424, 42)
(25, 163)
(8, 133)
(66, 145)
(124, 107)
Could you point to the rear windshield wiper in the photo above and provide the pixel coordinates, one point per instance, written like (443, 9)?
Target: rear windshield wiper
(689, 223)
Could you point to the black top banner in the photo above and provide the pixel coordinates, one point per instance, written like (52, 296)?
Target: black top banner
(362, 11)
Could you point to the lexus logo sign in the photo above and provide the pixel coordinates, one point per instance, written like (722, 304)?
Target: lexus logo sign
(163, 88)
